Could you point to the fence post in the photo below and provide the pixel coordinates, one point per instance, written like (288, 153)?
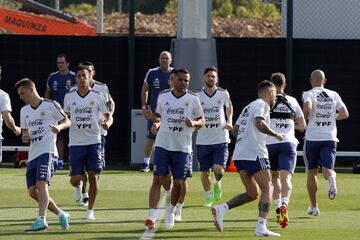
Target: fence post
(289, 45)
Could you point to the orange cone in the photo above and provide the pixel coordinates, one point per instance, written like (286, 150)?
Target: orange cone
(231, 167)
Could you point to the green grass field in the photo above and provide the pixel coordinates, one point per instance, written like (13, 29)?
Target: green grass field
(121, 208)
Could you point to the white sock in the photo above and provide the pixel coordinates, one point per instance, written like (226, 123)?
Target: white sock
(331, 180)
(285, 200)
(208, 194)
(61, 213)
(152, 213)
(277, 203)
(147, 160)
(84, 195)
(225, 206)
(168, 193)
(171, 208)
(261, 223)
(179, 206)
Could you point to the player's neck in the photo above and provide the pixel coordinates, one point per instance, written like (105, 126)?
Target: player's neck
(210, 90)
(164, 69)
(64, 72)
(83, 90)
(35, 101)
(178, 93)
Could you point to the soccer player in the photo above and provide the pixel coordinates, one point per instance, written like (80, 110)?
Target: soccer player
(86, 109)
(5, 110)
(179, 111)
(212, 140)
(251, 158)
(80, 193)
(285, 116)
(156, 80)
(322, 108)
(58, 84)
(41, 120)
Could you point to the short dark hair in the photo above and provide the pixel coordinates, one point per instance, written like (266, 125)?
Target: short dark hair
(79, 68)
(174, 70)
(208, 69)
(264, 84)
(87, 64)
(278, 79)
(25, 82)
(67, 58)
(182, 70)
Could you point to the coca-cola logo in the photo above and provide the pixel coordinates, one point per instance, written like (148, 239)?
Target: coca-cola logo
(175, 110)
(214, 109)
(37, 122)
(83, 110)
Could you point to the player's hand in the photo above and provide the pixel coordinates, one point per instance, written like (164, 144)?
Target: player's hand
(54, 129)
(17, 131)
(154, 128)
(147, 113)
(189, 123)
(279, 137)
(105, 125)
(25, 136)
(228, 126)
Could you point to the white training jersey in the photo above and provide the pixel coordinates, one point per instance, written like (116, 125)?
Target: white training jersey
(250, 142)
(5, 105)
(282, 123)
(104, 90)
(173, 134)
(37, 121)
(322, 119)
(213, 107)
(85, 112)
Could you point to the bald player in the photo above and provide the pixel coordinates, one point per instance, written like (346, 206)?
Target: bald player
(322, 108)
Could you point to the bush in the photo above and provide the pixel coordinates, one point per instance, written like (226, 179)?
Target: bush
(10, 4)
(83, 8)
(236, 8)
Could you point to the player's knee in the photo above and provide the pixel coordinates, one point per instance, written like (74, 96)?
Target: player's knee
(33, 192)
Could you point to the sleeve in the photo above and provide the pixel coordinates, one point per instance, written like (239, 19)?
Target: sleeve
(106, 93)
(23, 124)
(5, 104)
(57, 112)
(339, 101)
(306, 97)
(238, 120)
(147, 79)
(102, 105)
(73, 88)
(259, 109)
(49, 82)
(158, 104)
(66, 104)
(198, 111)
(227, 99)
(298, 111)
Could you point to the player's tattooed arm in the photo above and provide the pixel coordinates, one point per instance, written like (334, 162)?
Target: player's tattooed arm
(263, 127)
(234, 131)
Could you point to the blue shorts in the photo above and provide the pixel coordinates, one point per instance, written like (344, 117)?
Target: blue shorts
(179, 163)
(282, 156)
(86, 157)
(148, 130)
(252, 167)
(319, 153)
(208, 155)
(42, 168)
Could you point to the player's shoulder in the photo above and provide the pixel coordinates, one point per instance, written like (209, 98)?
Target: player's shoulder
(54, 74)
(3, 93)
(51, 102)
(72, 73)
(153, 70)
(99, 83)
(192, 94)
(220, 89)
(72, 91)
(95, 92)
(165, 91)
(199, 91)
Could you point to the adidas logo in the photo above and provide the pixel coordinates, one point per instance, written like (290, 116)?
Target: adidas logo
(323, 97)
(202, 103)
(74, 103)
(167, 103)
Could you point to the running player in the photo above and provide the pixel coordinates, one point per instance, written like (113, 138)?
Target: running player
(41, 120)
(80, 193)
(322, 108)
(251, 159)
(285, 116)
(86, 109)
(212, 140)
(180, 112)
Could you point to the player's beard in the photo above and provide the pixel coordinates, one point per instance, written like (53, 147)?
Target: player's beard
(210, 84)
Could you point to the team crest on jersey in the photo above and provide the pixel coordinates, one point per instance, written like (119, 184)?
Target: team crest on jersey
(219, 102)
(186, 104)
(68, 84)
